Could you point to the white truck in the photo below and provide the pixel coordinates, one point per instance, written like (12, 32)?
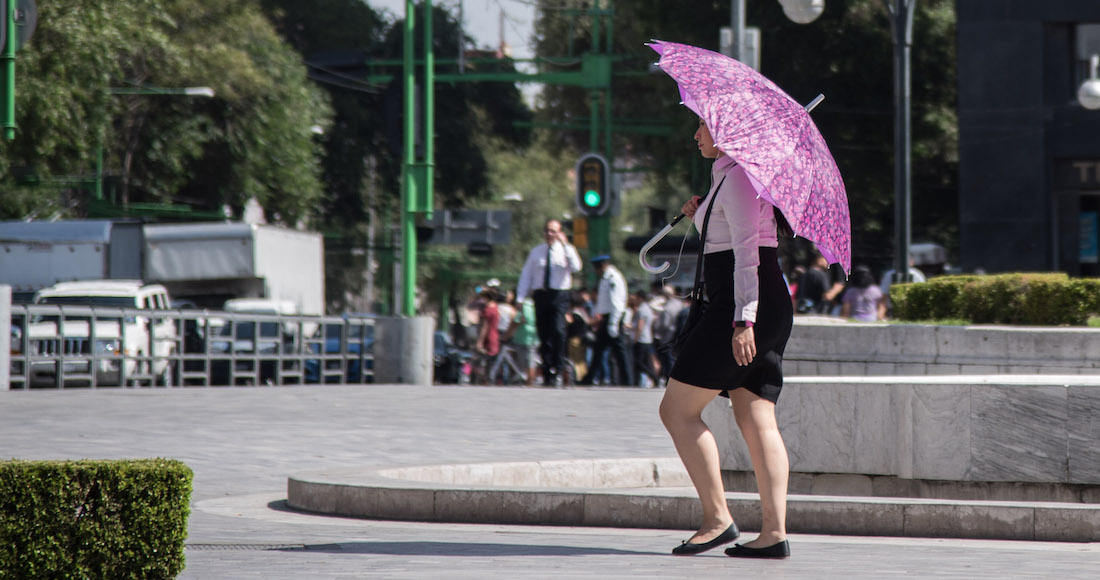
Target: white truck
(203, 264)
(108, 341)
(34, 255)
(214, 262)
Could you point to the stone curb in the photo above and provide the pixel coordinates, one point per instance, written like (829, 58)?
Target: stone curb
(656, 493)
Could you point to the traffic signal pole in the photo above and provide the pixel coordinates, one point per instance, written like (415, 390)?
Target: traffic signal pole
(599, 226)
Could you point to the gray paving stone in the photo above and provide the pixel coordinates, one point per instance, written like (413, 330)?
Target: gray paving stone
(244, 442)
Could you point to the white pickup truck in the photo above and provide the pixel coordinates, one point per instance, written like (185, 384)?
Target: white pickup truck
(119, 342)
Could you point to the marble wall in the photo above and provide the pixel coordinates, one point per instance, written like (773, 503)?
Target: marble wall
(831, 347)
(1043, 429)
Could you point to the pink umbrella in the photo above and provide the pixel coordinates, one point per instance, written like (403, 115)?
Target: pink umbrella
(772, 137)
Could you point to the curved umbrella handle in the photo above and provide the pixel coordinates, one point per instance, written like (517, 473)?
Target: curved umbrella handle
(653, 242)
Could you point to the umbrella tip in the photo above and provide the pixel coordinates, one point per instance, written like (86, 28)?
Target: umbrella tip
(814, 103)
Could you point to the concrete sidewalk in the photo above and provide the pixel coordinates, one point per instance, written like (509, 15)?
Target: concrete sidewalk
(243, 443)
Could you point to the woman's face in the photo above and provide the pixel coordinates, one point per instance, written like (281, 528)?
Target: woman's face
(706, 142)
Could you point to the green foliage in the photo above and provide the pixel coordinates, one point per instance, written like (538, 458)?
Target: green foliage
(265, 120)
(93, 519)
(1042, 299)
(252, 140)
(369, 118)
(342, 42)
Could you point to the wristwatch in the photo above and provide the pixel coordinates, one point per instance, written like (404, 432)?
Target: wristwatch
(742, 324)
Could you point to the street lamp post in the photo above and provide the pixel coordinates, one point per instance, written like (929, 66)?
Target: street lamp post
(901, 24)
(184, 91)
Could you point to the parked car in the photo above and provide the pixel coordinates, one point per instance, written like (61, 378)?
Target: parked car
(452, 364)
(252, 338)
(330, 335)
(119, 344)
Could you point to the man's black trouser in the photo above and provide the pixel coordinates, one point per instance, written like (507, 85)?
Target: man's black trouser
(550, 309)
(619, 356)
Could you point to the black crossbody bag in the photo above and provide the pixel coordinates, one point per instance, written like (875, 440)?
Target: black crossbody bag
(695, 314)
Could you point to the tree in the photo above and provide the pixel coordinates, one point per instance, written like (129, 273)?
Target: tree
(263, 144)
(343, 40)
(245, 143)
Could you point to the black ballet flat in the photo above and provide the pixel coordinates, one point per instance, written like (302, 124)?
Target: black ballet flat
(688, 549)
(774, 551)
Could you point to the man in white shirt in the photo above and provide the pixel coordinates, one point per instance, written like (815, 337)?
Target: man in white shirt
(645, 372)
(547, 278)
(610, 307)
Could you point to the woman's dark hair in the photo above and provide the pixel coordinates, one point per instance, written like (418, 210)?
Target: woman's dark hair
(782, 228)
(862, 277)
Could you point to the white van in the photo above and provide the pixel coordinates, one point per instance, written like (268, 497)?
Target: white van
(270, 336)
(128, 339)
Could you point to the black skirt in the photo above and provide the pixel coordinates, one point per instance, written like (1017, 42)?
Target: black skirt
(706, 359)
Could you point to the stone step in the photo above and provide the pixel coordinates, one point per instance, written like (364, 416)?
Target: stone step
(655, 493)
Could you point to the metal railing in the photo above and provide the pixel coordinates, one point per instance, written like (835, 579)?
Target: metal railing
(77, 346)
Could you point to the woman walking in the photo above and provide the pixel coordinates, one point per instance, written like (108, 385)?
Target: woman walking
(749, 316)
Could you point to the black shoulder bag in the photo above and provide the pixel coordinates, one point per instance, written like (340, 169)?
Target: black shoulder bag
(695, 314)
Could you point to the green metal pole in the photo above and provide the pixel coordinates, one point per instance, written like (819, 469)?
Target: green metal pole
(599, 227)
(408, 225)
(9, 75)
(594, 94)
(429, 114)
(607, 93)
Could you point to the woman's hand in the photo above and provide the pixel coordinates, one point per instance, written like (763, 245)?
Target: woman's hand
(690, 207)
(744, 345)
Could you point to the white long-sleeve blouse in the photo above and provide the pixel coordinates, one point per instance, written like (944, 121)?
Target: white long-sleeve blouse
(740, 221)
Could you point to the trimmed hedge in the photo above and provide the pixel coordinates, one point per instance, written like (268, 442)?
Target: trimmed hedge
(1045, 299)
(93, 519)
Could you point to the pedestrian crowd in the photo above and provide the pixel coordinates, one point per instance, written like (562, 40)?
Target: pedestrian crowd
(615, 334)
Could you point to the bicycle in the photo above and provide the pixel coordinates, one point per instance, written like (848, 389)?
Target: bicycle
(499, 369)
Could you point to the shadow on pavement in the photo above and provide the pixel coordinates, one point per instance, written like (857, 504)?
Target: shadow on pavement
(444, 548)
(405, 548)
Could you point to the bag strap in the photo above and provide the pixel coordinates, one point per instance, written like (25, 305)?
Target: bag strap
(697, 288)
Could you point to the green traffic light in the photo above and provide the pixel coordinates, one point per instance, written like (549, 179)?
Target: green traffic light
(591, 198)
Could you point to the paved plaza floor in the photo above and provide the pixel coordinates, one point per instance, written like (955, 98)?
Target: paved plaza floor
(243, 443)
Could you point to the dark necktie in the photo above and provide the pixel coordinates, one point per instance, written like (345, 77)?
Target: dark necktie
(546, 272)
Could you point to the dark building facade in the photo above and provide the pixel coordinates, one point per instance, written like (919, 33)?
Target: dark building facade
(1029, 153)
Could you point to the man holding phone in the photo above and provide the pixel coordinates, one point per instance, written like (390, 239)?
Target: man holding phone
(547, 278)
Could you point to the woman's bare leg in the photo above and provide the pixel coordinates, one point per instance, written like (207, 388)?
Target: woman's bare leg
(681, 412)
(756, 419)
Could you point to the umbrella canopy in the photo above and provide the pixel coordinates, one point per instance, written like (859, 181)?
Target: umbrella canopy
(772, 137)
